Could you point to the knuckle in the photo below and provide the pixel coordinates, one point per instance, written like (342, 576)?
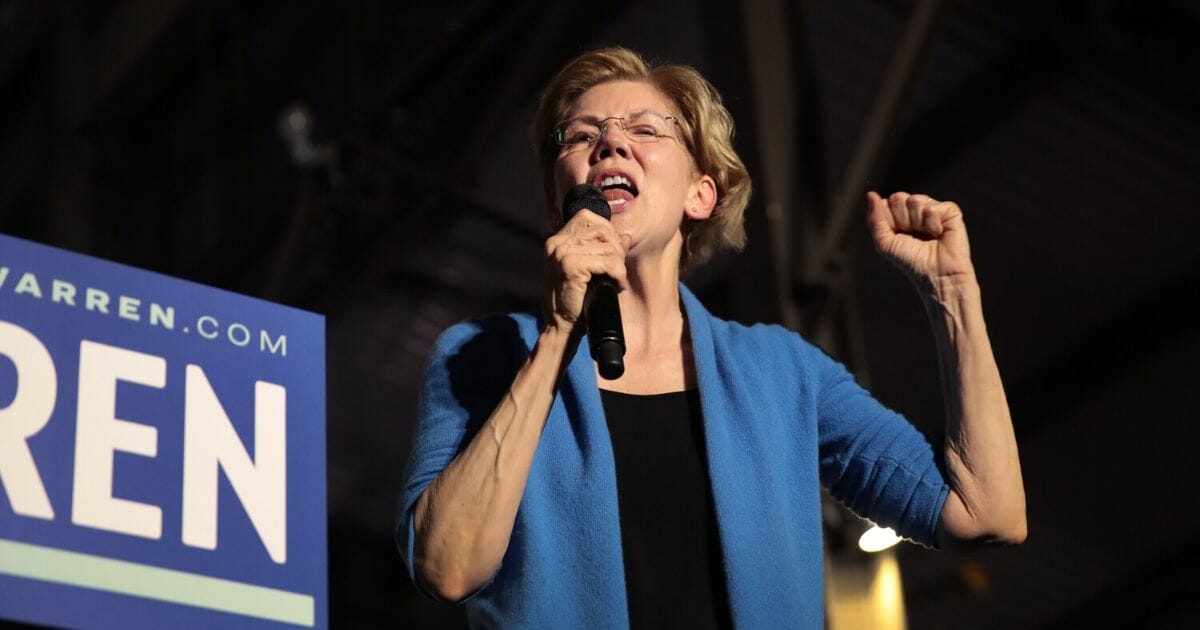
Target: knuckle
(555, 241)
(583, 217)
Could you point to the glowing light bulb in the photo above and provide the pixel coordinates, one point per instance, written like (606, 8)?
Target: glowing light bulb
(877, 539)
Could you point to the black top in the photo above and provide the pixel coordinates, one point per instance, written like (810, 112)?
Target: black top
(673, 572)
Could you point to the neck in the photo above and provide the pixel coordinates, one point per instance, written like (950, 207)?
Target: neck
(651, 314)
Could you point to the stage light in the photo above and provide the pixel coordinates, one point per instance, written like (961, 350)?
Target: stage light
(877, 539)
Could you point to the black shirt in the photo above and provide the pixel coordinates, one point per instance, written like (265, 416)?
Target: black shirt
(673, 572)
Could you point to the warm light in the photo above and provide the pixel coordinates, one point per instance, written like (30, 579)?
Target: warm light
(877, 539)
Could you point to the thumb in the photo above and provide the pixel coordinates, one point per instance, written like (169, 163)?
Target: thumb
(626, 241)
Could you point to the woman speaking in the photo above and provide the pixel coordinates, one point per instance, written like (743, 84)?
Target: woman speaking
(685, 492)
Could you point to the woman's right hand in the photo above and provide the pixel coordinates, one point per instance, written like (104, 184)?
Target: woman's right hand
(586, 246)
(463, 521)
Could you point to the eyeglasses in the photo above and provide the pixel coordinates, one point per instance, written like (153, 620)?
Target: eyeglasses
(641, 126)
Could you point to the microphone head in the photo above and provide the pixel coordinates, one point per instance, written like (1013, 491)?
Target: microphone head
(585, 197)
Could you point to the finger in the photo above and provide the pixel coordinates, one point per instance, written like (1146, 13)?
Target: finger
(931, 220)
(554, 242)
(616, 266)
(590, 249)
(918, 201)
(926, 215)
(580, 261)
(879, 217)
(582, 215)
(587, 226)
(577, 222)
(951, 217)
(949, 210)
(914, 205)
(900, 216)
(582, 266)
(589, 245)
(876, 207)
(585, 219)
(566, 240)
(626, 240)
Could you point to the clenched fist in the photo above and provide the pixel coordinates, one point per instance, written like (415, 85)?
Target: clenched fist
(924, 237)
(586, 246)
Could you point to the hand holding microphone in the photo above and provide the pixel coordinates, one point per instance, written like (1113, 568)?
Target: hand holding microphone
(588, 249)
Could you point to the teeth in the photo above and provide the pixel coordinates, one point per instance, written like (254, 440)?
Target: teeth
(613, 180)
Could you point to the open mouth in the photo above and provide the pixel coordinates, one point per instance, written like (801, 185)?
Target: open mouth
(618, 189)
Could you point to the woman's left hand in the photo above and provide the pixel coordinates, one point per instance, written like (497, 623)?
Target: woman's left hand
(924, 237)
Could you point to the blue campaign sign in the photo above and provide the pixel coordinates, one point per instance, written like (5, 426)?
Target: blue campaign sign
(162, 450)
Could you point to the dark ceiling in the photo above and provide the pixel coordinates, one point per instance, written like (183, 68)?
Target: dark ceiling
(367, 160)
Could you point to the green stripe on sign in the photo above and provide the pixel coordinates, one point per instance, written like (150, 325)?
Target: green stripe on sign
(141, 580)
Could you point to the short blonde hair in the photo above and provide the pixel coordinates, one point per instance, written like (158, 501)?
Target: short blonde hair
(707, 133)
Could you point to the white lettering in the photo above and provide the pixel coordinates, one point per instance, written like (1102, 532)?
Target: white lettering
(264, 343)
(159, 316)
(29, 411)
(97, 300)
(210, 334)
(62, 292)
(127, 308)
(3, 275)
(28, 284)
(245, 334)
(99, 433)
(211, 441)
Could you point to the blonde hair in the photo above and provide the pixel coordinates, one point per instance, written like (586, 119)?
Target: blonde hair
(707, 133)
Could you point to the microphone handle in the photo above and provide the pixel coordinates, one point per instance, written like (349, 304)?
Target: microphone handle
(606, 336)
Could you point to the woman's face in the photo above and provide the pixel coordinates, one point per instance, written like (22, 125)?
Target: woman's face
(660, 183)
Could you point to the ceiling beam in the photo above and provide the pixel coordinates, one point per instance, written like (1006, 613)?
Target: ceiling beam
(972, 109)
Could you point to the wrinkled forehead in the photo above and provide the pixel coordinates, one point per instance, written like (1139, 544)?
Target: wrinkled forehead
(619, 98)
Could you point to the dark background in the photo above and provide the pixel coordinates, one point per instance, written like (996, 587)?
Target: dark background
(368, 160)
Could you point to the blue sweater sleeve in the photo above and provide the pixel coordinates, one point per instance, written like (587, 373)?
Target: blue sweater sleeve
(873, 460)
(470, 367)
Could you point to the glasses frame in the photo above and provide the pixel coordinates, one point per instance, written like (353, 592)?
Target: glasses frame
(557, 134)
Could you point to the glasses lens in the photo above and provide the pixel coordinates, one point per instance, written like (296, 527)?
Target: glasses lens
(646, 127)
(578, 133)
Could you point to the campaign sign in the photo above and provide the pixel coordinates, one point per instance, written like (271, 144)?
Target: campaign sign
(162, 450)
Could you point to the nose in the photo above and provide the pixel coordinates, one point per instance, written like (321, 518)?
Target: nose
(612, 140)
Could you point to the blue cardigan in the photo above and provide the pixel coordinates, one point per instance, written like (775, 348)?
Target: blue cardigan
(780, 419)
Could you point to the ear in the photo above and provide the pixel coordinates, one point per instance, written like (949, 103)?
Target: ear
(702, 199)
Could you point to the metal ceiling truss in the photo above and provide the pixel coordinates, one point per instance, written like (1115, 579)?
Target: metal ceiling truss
(809, 231)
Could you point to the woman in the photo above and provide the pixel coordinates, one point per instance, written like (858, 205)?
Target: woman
(686, 491)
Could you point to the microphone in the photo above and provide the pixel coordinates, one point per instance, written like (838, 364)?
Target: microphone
(601, 310)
